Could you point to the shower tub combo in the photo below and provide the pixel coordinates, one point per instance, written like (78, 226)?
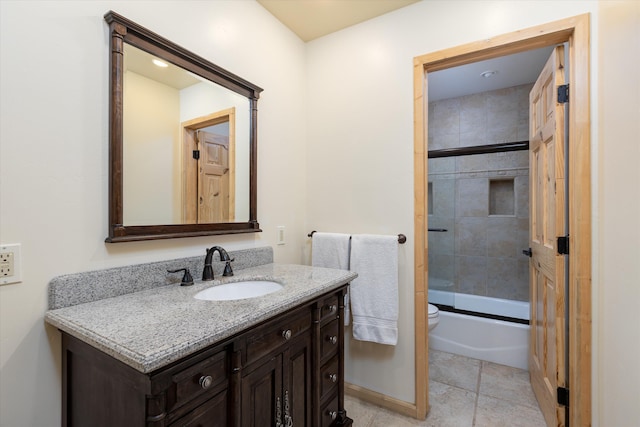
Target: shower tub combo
(479, 211)
(498, 341)
(478, 219)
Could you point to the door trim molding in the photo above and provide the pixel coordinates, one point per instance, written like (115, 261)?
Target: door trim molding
(575, 31)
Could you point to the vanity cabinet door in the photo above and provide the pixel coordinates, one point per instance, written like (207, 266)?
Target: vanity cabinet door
(297, 382)
(261, 389)
(278, 388)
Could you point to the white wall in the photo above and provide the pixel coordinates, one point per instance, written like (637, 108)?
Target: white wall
(53, 159)
(617, 254)
(151, 152)
(360, 152)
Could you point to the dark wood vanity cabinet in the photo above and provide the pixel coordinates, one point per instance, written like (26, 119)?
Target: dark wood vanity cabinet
(285, 372)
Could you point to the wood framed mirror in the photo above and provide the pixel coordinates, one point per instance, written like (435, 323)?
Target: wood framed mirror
(182, 141)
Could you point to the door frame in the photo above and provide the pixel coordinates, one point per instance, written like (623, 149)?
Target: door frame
(575, 31)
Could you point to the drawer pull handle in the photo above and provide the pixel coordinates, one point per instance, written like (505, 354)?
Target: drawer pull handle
(333, 377)
(333, 308)
(205, 381)
(332, 414)
(288, 419)
(332, 339)
(286, 334)
(278, 413)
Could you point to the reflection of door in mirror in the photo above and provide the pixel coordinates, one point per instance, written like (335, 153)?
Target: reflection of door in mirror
(209, 165)
(163, 110)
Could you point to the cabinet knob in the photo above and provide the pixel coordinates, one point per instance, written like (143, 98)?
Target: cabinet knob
(333, 308)
(332, 414)
(332, 339)
(333, 377)
(286, 334)
(205, 381)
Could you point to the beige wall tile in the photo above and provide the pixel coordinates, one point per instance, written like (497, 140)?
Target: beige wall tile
(471, 275)
(471, 236)
(472, 198)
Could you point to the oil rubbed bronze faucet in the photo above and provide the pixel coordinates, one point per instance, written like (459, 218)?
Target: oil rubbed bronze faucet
(207, 273)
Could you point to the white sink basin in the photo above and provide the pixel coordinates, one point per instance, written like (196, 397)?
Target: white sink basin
(239, 290)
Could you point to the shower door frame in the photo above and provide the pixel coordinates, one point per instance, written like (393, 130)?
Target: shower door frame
(575, 31)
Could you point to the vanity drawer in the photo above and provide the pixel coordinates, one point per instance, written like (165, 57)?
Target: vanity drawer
(329, 377)
(329, 308)
(269, 337)
(329, 412)
(207, 376)
(212, 413)
(329, 336)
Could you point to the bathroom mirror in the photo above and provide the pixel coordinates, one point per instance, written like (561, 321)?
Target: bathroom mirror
(182, 141)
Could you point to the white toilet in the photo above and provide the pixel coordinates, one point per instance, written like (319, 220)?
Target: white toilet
(434, 316)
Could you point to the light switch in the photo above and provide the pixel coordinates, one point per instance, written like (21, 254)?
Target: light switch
(280, 236)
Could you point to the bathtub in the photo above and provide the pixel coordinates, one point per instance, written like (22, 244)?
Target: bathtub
(498, 341)
(488, 305)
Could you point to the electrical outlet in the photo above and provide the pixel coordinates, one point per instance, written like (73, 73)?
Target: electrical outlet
(280, 236)
(10, 264)
(6, 264)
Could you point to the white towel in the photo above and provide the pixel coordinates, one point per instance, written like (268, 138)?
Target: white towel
(374, 293)
(331, 250)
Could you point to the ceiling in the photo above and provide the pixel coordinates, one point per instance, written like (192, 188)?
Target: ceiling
(511, 70)
(140, 62)
(311, 19)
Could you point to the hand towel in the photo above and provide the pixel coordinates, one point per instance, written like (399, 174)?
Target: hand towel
(331, 250)
(374, 293)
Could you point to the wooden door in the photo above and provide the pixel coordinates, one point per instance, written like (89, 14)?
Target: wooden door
(213, 178)
(547, 216)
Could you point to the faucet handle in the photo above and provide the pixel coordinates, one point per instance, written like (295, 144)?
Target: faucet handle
(187, 279)
(227, 268)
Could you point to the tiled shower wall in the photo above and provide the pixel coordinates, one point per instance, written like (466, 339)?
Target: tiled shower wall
(482, 200)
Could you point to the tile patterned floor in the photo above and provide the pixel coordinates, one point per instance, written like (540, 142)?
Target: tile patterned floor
(463, 392)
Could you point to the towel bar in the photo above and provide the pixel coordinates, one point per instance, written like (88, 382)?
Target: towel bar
(401, 237)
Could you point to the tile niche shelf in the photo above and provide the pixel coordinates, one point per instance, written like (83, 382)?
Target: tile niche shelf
(501, 197)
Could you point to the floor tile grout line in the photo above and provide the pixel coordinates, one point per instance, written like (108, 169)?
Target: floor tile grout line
(475, 404)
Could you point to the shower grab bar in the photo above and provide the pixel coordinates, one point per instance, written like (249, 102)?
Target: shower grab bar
(401, 237)
(438, 230)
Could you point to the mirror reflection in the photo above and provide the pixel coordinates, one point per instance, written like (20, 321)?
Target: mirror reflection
(186, 146)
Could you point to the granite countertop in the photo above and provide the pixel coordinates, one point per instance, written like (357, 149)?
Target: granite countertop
(152, 328)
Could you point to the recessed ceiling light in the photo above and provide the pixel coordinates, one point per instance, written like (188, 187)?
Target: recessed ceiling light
(489, 73)
(160, 63)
